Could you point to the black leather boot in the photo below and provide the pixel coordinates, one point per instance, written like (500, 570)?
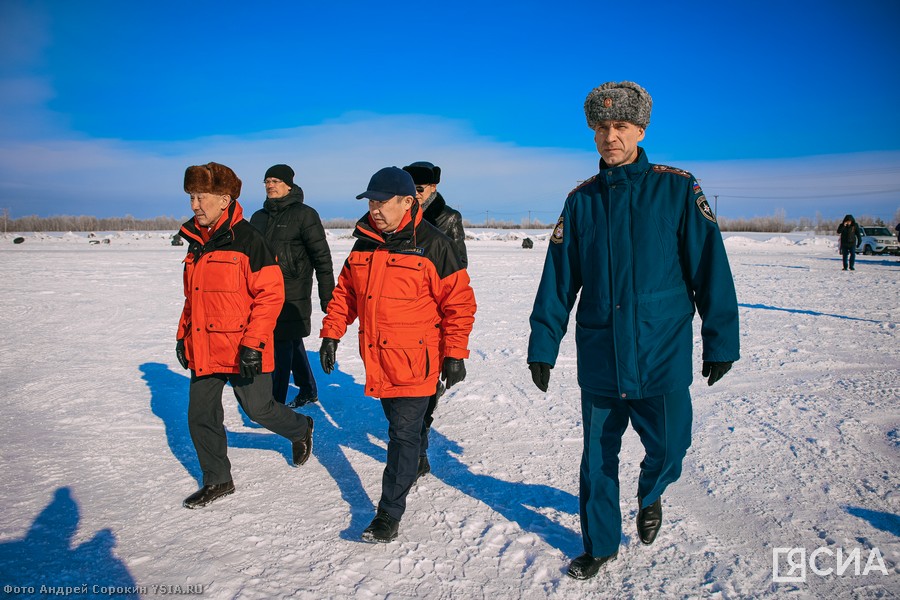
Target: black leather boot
(382, 529)
(649, 520)
(424, 467)
(208, 494)
(303, 448)
(586, 566)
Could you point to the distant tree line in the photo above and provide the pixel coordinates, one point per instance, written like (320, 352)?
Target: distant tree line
(777, 223)
(85, 223)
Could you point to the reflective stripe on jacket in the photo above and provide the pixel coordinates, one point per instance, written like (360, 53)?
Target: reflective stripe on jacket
(233, 292)
(642, 247)
(414, 304)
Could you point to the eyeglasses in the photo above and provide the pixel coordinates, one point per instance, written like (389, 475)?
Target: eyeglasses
(420, 188)
(271, 181)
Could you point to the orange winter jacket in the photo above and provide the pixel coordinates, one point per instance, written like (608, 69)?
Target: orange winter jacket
(233, 292)
(414, 303)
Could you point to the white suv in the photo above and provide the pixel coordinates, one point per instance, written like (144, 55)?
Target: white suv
(877, 240)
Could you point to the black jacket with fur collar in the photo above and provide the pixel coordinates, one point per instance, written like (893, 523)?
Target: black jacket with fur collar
(449, 222)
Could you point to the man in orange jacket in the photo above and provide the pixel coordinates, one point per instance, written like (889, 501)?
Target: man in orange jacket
(404, 282)
(233, 292)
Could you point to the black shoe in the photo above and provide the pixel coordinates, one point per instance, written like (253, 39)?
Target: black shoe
(207, 494)
(424, 467)
(382, 529)
(303, 448)
(586, 566)
(649, 520)
(300, 401)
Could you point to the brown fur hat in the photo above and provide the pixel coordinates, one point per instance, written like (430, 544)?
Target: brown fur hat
(212, 178)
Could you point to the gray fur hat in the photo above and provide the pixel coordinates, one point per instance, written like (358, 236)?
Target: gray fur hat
(624, 101)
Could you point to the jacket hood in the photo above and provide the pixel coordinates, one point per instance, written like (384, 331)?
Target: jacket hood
(295, 196)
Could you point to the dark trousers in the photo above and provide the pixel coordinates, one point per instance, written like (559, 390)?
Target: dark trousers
(663, 424)
(290, 355)
(428, 420)
(206, 418)
(848, 252)
(405, 417)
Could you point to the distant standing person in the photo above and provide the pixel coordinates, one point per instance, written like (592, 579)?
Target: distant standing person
(233, 292)
(636, 293)
(295, 232)
(851, 238)
(415, 307)
(427, 176)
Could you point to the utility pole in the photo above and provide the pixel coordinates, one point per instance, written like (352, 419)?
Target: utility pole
(487, 217)
(529, 219)
(5, 219)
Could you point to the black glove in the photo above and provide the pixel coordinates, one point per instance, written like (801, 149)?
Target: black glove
(540, 374)
(324, 304)
(250, 362)
(179, 353)
(453, 371)
(715, 370)
(328, 354)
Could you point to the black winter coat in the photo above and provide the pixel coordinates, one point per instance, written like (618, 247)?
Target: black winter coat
(449, 222)
(850, 236)
(295, 232)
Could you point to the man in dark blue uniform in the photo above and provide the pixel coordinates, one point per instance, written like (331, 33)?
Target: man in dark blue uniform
(641, 245)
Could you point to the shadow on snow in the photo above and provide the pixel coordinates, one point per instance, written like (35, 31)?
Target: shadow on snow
(811, 313)
(879, 520)
(169, 402)
(346, 419)
(46, 557)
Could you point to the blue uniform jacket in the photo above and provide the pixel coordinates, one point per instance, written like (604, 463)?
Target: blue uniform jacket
(641, 244)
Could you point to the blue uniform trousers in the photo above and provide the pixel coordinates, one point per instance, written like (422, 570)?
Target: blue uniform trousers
(664, 426)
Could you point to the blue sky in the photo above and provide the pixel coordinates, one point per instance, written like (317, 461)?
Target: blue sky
(773, 105)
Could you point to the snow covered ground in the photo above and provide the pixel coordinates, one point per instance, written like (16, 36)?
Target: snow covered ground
(797, 447)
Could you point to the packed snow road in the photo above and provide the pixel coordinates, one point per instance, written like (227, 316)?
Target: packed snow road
(796, 449)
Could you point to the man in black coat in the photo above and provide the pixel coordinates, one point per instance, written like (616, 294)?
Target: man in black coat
(850, 238)
(295, 232)
(448, 221)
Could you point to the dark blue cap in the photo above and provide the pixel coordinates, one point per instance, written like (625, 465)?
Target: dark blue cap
(387, 183)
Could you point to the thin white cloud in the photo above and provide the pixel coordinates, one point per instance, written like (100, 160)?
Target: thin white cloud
(482, 177)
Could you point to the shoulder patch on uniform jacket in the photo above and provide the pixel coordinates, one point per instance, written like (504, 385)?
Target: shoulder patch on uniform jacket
(581, 185)
(667, 169)
(705, 210)
(557, 236)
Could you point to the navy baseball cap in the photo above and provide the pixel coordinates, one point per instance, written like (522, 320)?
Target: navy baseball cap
(387, 183)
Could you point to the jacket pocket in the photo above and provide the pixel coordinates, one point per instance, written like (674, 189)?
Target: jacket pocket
(403, 278)
(665, 337)
(222, 273)
(406, 357)
(665, 304)
(595, 350)
(224, 334)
